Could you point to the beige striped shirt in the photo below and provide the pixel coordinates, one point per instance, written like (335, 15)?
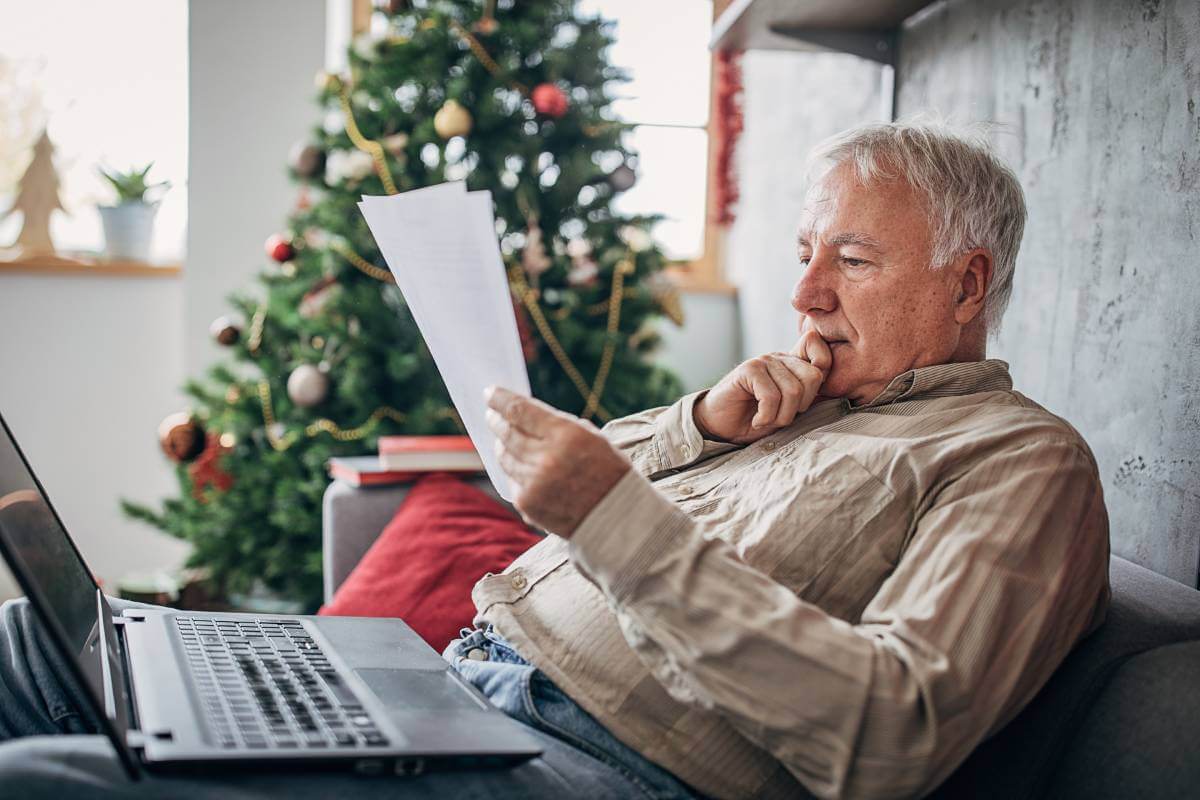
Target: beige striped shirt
(848, 606)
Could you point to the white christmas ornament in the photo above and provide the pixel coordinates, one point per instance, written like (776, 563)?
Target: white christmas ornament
(366, 46)
(533, 256)
(583, 272)
(636, 239)
(307, 386)
(347, 165)
(578, 248)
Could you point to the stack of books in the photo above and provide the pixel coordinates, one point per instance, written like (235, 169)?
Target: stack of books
(405, 458)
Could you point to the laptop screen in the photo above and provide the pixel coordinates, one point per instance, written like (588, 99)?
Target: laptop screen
(45, 561)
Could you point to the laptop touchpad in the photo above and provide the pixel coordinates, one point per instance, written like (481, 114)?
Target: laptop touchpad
(412, 690)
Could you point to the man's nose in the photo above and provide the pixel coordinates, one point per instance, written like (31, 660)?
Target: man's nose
(814, 292)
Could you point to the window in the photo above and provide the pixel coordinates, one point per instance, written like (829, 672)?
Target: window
(664, 47)
(109, 82)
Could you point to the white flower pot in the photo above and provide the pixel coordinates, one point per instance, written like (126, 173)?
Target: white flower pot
(128, 230)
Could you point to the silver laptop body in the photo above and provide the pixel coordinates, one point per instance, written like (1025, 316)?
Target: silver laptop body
(180, 690)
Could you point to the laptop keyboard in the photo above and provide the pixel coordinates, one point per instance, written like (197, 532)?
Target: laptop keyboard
(266, 683)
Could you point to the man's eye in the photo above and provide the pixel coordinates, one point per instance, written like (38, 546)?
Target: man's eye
(853, 262)
(804, 260)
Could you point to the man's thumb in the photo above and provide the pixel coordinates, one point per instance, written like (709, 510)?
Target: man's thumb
(813, 349)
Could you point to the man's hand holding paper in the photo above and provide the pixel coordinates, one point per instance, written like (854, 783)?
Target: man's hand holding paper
(561, 465)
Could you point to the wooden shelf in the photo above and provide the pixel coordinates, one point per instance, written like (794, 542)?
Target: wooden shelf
(86, 266)
(865, 28)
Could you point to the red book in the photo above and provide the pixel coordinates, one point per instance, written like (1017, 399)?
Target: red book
(429, 454)
(365, 471)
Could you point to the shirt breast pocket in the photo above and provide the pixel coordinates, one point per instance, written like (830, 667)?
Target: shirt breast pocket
(816, 521)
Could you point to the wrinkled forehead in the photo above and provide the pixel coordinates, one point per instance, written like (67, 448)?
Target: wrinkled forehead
(839, 200)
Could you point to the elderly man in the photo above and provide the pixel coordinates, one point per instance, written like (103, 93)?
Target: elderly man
(843, 566)
(835, 572)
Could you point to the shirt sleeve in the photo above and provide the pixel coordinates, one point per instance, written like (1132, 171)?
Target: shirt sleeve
(1004, 572)
(663, 439)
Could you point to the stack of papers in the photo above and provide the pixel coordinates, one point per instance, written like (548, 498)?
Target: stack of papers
(440, 244)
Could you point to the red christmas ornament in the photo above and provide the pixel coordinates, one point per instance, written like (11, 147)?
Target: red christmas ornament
(280, 248)
(549, 100)
(206, 470)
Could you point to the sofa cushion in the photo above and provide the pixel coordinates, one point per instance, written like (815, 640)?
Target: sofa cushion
(1140, 739)
(443, 538)
(1147, 611)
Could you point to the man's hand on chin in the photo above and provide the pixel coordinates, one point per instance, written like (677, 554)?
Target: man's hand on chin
(561, 466)
(764, 394)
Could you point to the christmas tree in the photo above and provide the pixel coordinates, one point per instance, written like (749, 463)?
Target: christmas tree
(510, 97)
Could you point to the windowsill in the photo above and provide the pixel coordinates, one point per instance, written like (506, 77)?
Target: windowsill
(88, 267)
(687, 281)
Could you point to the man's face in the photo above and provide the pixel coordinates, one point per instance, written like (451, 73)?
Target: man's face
(866, 285)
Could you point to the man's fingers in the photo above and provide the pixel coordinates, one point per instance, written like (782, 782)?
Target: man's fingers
(767, 394)
(514, 467)
(815, 350)
(516, 441)
(530, 415)
(791, 391)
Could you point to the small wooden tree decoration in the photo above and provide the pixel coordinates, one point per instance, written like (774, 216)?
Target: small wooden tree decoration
(37, 199)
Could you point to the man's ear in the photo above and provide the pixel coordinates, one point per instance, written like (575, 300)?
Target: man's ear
(973, 283)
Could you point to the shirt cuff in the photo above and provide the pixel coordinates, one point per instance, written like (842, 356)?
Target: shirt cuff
(627, 532)
(678, 439)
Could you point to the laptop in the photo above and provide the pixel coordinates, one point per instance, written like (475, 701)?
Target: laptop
(179, 690)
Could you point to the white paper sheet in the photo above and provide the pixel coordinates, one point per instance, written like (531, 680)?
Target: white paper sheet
(440, 244)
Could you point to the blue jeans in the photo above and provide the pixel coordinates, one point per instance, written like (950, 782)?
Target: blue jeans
(39, 703)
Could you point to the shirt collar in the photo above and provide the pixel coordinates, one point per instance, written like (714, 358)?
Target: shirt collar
(945, 380)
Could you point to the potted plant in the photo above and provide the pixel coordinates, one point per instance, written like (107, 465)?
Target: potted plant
(129, 225)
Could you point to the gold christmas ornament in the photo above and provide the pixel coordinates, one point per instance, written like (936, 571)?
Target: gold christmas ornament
(228, 440)
(288, 269)
(452, 119)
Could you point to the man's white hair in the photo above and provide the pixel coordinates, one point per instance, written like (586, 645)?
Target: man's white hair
(973, 198)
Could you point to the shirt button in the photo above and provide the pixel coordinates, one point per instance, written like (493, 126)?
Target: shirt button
(477, 654)
(686, 490)
(519, 581)
(769, 446)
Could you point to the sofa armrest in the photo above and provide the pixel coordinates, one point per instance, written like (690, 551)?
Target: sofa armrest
(352, 519)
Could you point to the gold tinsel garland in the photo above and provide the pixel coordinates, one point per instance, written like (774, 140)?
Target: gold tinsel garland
(368, 146)
(361, 264)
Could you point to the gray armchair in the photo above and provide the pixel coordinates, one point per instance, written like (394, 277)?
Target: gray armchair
(1120, 719)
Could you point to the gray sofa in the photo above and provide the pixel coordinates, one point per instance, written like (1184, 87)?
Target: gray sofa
(1120, 718)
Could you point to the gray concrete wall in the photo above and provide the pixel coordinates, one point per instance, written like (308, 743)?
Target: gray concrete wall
(1099, 101)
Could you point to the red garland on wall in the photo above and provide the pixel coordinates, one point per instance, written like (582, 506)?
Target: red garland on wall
(727, 127)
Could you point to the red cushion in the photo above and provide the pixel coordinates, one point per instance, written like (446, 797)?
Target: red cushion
(444, 537)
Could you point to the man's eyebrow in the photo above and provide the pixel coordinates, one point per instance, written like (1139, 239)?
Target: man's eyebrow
(843, 239)
(859, 239)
